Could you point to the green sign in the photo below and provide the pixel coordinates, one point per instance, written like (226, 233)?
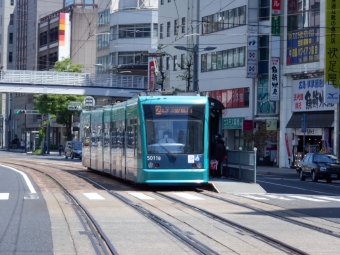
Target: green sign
(232, 123)
(276, 25)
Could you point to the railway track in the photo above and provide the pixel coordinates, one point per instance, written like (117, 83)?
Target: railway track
(152, 213)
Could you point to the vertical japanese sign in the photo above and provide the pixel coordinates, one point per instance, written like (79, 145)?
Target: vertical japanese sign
(276, 6)
(332, 51)
(274, 79)
(151, 75)
(252, 48)
(276, 23)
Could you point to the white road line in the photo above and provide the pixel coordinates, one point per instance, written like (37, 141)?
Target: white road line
(329, 198)
(298, 188)
(4, 196)
(256, 198)
(187, 196)
(140, 195)
(28, 182)
(278, 197)
(94, 196)
(309, 199)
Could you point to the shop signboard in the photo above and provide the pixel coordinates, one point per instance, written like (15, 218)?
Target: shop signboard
(274, 79)
(232, 123)
(247, 125)
(252, 46)
(308, 95)
(332, 52)
(309, 132)
(276, 6)
(276, 25)
(271, 125)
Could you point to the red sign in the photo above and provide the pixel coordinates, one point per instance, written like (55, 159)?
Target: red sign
(292, 6)
(241, 97)
(287, 144)
(247, 125)
(151, 75)
(276, 6)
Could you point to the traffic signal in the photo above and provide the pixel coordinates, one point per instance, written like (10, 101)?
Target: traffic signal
(20, 111)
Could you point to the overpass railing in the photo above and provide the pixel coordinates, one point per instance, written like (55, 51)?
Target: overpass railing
(240, 165)
(74, 79)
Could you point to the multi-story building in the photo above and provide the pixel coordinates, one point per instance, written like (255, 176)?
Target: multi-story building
(231, 42)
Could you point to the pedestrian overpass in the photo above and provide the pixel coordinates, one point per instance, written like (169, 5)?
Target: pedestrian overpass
(49, 82)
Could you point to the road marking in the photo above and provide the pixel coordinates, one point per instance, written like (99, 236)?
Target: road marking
(278, 197)
(188, 196)
(140, 195)
(256, 198)
(4, 196)
(28, 182)
(329, 198)
(94, 196)
(320, 192)
(309, 199)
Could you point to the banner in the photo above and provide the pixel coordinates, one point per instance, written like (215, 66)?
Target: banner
(332, 51)
(274, 79)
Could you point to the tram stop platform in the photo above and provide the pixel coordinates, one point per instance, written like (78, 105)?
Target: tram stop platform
(234, 186)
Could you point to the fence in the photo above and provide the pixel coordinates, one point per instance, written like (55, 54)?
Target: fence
(241, 165)
(74, 79)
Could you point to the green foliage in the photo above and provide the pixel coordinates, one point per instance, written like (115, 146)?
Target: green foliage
(56, 105)
(36, 152)
(66, 65)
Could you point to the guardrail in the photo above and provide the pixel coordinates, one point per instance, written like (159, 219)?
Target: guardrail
(73, 79)
(240, 165)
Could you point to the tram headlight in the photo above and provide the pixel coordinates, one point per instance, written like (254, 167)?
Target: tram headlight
(150, 165)
(199, 165)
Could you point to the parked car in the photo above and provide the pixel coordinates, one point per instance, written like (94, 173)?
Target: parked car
(319, 166)
(73, 149)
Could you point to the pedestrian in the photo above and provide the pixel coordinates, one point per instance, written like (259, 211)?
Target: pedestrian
(219, 153)
(60, 148)
(22, 144)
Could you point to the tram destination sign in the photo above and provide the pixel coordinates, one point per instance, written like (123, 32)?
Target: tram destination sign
(172, 109)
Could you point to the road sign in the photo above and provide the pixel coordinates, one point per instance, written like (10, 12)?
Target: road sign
(74, 107)
(89, 101)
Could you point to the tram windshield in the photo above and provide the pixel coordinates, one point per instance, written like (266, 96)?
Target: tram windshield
(174, 129)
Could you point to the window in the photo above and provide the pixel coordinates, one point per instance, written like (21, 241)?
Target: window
(43, 39)
(161, 31)
(135, 31)
(10, 57)
(114, 33)
(53, 35)
(52, 58)
(183, 25)
(263, 52)
(0, 39)
(183, 61)
(224, 20)
(155, 30)
(11, 19)
(167, 63)
(132, 57)
(223, 59)
(175, 63)
(162, 2)
(175, 27)
(264, 7)
(264, 105)
(12, 2)
(10, 38)
(168, 29)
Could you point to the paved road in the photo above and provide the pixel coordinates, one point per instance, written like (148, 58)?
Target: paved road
(24, 222)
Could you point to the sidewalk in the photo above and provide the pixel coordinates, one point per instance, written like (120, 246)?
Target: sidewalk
(275, 170)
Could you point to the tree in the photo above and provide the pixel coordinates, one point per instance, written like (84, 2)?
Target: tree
(56, 105)
(186, 76)
(66, 65)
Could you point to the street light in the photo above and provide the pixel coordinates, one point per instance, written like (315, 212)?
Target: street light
(195, 49)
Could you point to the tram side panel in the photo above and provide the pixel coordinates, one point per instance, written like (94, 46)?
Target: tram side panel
(117, 139)
(86, 137)
(100, 146)
(131, 141)
(106, 142)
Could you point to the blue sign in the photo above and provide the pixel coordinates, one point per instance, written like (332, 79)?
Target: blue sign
(303, 46)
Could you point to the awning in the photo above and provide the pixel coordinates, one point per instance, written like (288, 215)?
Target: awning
(314, 120)
(214, 104)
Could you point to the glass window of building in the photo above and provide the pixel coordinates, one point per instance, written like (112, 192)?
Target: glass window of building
(10, 57)
(12, 2)
(11, 19)
(219, 60)
(213, 61)
(264, 8)
(155, 30)
(175, 27)
(264, 105)
(167, 63)
(203, 62)
(161, 31)
(183, 25)
(175, 63)
(183, 61)
(114, 33)
(168, 25)
(10, 38)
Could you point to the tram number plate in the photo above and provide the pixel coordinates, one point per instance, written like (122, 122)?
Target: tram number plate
(334, 176)
(153, 158)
